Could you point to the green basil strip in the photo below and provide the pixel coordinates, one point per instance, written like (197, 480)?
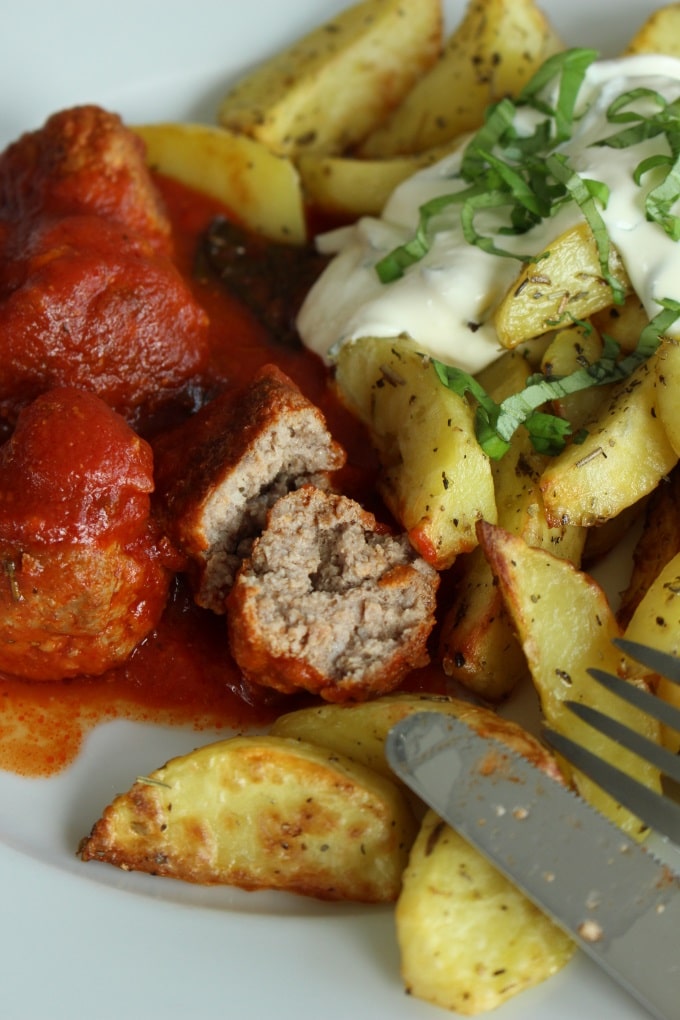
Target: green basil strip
(497, 423)
(570, 66)
(585, 193)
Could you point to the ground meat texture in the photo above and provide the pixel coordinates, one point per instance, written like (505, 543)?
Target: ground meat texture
(84, 571)
(330, 602)
(218, 475)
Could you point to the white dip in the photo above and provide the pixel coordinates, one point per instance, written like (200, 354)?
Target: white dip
(445, 302)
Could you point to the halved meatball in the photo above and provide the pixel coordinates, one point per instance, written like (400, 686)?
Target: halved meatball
(84, 571)
(219, 474)
(330, 602)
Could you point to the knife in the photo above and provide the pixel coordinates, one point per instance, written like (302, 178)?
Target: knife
(618, 902)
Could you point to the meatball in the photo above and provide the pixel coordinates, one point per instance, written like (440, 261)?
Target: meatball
(89, 295)
(82, 303)
(220, 474)
(85, 572)
(83, 161)
(330, 602)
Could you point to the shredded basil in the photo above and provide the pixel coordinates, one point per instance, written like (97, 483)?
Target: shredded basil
(524, 178)
(503, 170)
(495, 424)
(655, 117)
(586, 194)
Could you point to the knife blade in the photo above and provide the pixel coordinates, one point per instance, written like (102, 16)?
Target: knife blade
(619, 903)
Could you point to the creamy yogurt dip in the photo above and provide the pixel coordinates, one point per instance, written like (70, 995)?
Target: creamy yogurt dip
(445, 301)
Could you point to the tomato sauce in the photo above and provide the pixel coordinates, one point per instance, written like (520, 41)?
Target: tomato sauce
(182, 673)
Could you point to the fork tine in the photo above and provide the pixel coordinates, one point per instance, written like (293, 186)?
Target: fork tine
(668, 714)
(652, 808)
(659, 756)
(659, 662)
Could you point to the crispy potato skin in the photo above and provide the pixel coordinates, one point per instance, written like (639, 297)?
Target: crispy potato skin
(657, 544)
(262, 813)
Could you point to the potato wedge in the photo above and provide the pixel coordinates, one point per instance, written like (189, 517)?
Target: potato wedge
(331, 88)
(660, 33)
(262, 189)
(624, 457)
(492, 53)
(478, 643)
(262, 813)
(566, 626)
(347, 187)
(566, 281)
(569, 350)
(469, 939)
(656, 621)
(359, 731)
(623, 323)
(435, 478)
(668, 381)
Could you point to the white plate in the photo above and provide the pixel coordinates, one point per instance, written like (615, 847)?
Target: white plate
(78, 939)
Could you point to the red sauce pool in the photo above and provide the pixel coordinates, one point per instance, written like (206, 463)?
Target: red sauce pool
(181, 674)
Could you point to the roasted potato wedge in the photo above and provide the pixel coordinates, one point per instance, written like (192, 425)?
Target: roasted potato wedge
(660, 33)
(478, 643)
(668, 383)
(359, 731)
(262, 189)
(469, 939)
(435, 478)
(331, 88)
(492, 53)
(262, 813)
(623, 323)
(569, 350)
(565, 281)
(623, 458)
(656, 621)
(347, 187)
(566, 626)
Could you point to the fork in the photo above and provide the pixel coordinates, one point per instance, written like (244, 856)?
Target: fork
(657, 810)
